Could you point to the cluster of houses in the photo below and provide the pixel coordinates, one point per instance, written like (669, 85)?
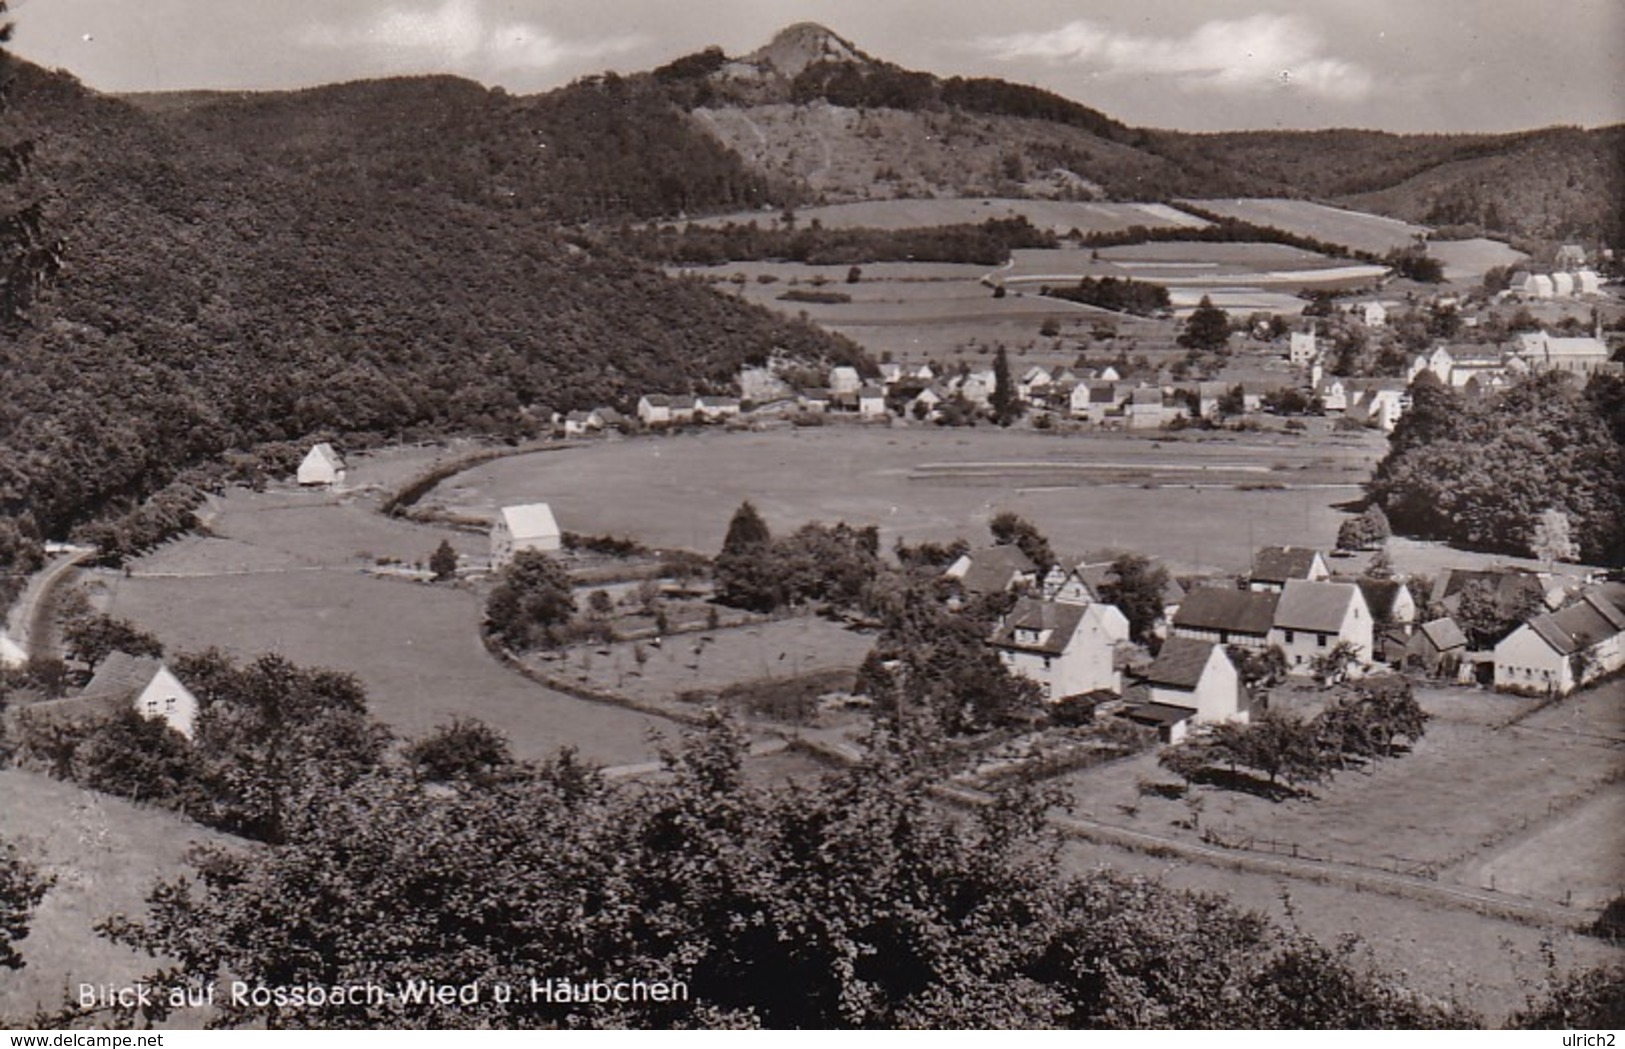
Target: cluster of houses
(1065, 638)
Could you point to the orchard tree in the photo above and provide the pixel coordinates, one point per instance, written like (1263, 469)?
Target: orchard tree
(1207, 329)
(1550, 539)
(93, 636)
(443, 562)
(1136, 585)
(533, 596)
(1010, 528)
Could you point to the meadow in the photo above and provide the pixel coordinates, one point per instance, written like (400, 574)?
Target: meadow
(1060, 216)
(1359, 230)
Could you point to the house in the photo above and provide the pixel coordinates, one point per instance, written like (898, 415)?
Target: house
(1389, 600)
(1379, 403)
(1513, 589)
(578, 424)
(890, 374)
(126, 682)
(1373, 314)
(12, 656)
(924, 404)
(654, 409)
(993, 570)
(872, 402)
(1440, 362)
(1581, 355)
(322, 465)
(610, 418)
(1274, 565)
(844, 379)
(1032, 382)
(1110, 374)
(1539, 286)
(1437, 646)
(923, 373)
(1191, 683)
(1588, 282)
(1093, 400)
(684, 407)
(1333, 394)
(1555, 652)
(1312, 618)
(712, 408)
(1563, 285)
(816, 399)
(1067, 649)
(1227, 616)
(1144, 409)
(1570, 256)
(1302, 349)
(977, 388)
(527, 527)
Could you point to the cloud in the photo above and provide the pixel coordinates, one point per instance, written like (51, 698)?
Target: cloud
(457, 36)
(1260, 52)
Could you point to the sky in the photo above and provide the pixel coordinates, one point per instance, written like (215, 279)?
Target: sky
(1198, 65)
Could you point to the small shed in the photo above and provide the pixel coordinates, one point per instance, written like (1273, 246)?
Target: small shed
(527, 527)
(322, 465)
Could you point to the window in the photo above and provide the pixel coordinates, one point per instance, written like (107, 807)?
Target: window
(169, 705)
(1291, 635)
(152, 707)
(1046, 662)
(1320, 639)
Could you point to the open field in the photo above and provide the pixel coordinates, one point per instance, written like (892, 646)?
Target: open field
(1485, 963)
(1355, 229)
(1466, 261)
(1464, 806)
(105, 854)
(1061, 216)
(1084, 491)
(284, 573)
(715, 659)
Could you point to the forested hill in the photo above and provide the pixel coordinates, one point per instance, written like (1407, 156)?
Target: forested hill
(210, 300)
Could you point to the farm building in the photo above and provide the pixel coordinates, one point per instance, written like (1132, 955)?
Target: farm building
(122, 682)
(322, 465)
(844, 379)
(993, 570)
(1274, 565)
(717, 407)
(872, 402)
(1437, 646)
(1379, 403)
(1067, 649)
(1555, 652)
(816, 399)
(1144, 409)
(654, 409)
(1302, 348)
(1373, 314)
(1191, 683)
(1389, 600)
(1582, 355)
(527, 527)
(1227, 616)
(1313, 618)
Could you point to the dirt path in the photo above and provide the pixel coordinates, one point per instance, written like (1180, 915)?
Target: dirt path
(29, 622)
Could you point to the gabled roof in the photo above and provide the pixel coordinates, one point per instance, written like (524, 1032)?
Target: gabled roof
(1321, 607)
(1443, 634)
(871, 392)
(992, 569)
(1180, 663)
(1102, 393)
(122, 675)
(1148, 395)
(658, 400)
(325, 451)
(1236, 611)
(530, 520)
(719, 402)
(1579, 626)
(1379, 594)
(1277, 564)
(1159, 714)
(1511, 587)
(1059, 619)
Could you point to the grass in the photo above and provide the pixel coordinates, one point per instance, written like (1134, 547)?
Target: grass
(1083, 491)
(714, 660)
(1058, 215)
(1472, 799)
(1354, 229)
(105, 854)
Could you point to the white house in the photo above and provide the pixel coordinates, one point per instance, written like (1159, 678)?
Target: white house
(1587, 282)
(1373, 314)
(1192, 683)
(1227, 615)
(1274, 565)
(1563, 285)
(1068, 649)
(1380, 403)
(872, 402)
(322, 465)
(1558, 651)
(844, 379)
(122, 682)
(12, 655)
(1334, 396)
(527, 527)
(654, 409)
(717, 407)
(1311, 619)
(1302, 348)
